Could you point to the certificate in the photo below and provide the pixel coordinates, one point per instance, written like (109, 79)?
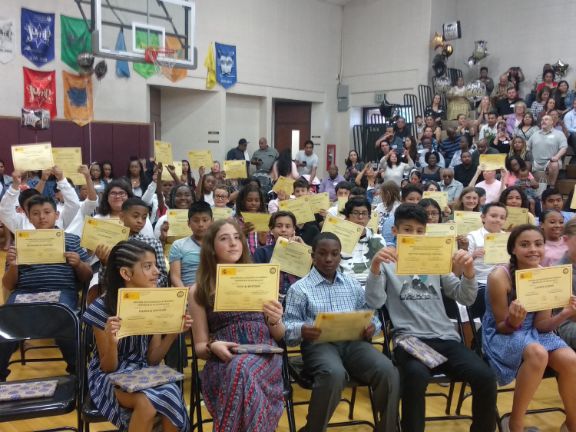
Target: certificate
(348, 232)
(292, 257)
(467, 221)
(245, 287)
(69, 160)
(342, 203)
(573, 202)
(300, 207)
(441, 229)
(200, 158)
(284, 184)
(32, 157)
(319, 202)
(516, 216)
(163, 152)
(374, 221)
(178, 223)
(259, 220)
(492, 162)
(148, 311)
(177, 168)
(440, 197)
(219, 213)
(495, 248)
(102, 232)
(235, 169)
(43, 246)
(424, 255)
(342, 326)
(544, 288)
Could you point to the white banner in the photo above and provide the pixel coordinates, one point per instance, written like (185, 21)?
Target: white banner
(7, 38)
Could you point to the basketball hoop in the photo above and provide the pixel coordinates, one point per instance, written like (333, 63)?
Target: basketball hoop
(164, 59)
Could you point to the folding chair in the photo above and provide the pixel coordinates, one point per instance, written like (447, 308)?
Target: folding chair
(31, 321)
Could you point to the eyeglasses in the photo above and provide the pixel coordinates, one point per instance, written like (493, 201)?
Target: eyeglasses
(433, 214)
(359, 214)
(221, 196)
(118, 194)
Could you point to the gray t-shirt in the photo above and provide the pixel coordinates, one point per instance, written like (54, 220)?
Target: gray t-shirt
(267, 157)
(544, 145)
(311, 161)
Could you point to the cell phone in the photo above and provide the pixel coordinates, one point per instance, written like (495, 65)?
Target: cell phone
(303, 163)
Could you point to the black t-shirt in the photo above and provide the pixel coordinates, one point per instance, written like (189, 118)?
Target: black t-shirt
(505, 107)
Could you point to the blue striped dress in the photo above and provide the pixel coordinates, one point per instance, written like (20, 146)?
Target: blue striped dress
(167, 399)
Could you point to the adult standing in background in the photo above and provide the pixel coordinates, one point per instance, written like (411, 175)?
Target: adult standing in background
(488, 82)
(240, 152)
(265, 156)
(307, 161)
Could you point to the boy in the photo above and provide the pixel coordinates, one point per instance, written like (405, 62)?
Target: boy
(411, 194)
(185, 253)
(416, 309)
(552, 200)
(342, 191)
(221, 195)
(328, 290)
(308, 231)
(60, 279)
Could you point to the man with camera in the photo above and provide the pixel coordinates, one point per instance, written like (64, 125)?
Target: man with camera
(264, 157)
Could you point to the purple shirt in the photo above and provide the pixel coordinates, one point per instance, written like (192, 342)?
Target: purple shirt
(329, 185)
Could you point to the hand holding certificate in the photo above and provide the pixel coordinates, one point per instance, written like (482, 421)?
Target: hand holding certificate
(492, 162)
(440, 197)
(42, 246)
(495, 245)
(178, 223)
(342, 326)
(467, 221)
(200, 158)
(319, 202)
(544, 288)
(284, 184)
(300, 207)
(292, 257)
(32, 157)
(425, 255)
(102, 232)
(163, 152)
(441, 229)
(235, 169)
(348, 232)
(166, 176)
(222, 213)
(259, 220)
(69, 159)
(516, 216)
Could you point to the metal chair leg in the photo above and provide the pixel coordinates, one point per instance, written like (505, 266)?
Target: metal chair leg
(352, 403)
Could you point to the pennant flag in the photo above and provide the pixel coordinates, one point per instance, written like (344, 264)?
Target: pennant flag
(37, 34)
(226, 71)
(40, 90)
(122, 69)
(75, 39)
(77, 98)
(210, 65)
(7, 40)
(143, 41)
(175, 74)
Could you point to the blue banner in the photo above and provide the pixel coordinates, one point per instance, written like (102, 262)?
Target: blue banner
(226, 70)
(37, 34)
(122, 69)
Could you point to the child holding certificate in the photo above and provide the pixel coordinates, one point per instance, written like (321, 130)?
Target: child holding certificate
(251, 200)
(567, 330)
(131, 264)
(417, 310)
(555, 248)
(520, 345)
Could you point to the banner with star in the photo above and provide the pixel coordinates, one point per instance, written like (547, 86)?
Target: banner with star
(37, 36)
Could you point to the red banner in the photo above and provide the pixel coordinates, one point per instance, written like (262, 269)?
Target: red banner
(40, 90)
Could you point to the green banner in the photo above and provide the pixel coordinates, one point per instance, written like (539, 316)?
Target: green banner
(75, 39)
(144, 40)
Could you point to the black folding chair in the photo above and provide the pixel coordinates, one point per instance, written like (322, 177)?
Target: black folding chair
(31, 321)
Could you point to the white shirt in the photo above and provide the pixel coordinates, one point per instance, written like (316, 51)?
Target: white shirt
(476, 241)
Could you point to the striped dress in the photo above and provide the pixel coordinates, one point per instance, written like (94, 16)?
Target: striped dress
(166, 399)
(246, 393)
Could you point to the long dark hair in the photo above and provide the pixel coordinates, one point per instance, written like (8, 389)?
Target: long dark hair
(513, 266)
(243, 194)
(144, 182)
(189, 179)
(284, 163)
(508, 190)
(104, 208)
(107, 162)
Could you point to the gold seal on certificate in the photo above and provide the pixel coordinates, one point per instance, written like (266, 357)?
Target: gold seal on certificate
(259, 220)
(245, 287)
(319, 202)
(235, 169)
(300, 208)
(348, 232)
(178, 223)
(440, 197)
(222, 213)
(69, 159)
(495, 248)
(492, 162)
(163, 152)
(516, 216)
(424, 255)
(102, 232)
(200, 158)
(342, 326)
(42, 246)
(467, 221)
(284, 184)
(544, 288)
(448, 229)
(32, 157)
(292, 257)
(177, 170)
(149, 311)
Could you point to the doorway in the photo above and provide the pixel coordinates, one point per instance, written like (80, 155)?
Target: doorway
(289, 117)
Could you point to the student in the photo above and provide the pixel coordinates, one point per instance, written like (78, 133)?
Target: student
(416, 309)
(221, 196)
(185, 253)
(520, 345)
(330, 364)
(342, 191)
(552, 200)
(251, 200)
(36, 278)
(490, 184)
(411, 194)
(390, 196)
(132, 264)
(274, 204)
(205, 189)
(243, 392)
(180, 197)
(552, 225)
(87, 206)
(309, 230)
(567, 330)
(432, 209)
(515, 197)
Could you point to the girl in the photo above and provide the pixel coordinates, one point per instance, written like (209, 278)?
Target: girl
(541, 98)
(518, 148)
(435, 110)
(490, 184)
(187, 177)
(107, 173)
(564, 97)
(285, 167)
(502, 139)
(131, 264)
(180, 197)
(437, 131)
(243, 392)
(431, 171)
(432, 210)
(390, 194)
(205, 189)
(96, 175)
(137, 177)
(552, 224)
(368, 177)
(469, 200)
(550, 106)
(251, 200)
(393, 168)
(353, 166)
(410, 154)
(482, 112)
(514, 196)
(520, 345)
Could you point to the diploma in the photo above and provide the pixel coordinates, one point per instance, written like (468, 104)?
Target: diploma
(424, 255)
(467, 221)
(373, 223)
(441, 229)
(163, 152)
(292, 257)
(178, 223)
(148, 311)
(495, 248)
(69, 159)
(32, 157)
(319, 202)
(440, 197)
(102, 232)
(573, 202)
(544, 288)
(516, 216)
(348, 232)
(43, 246)
(177, 168)
(245, 287)
(300, 207)
(219, 213)
(235, 169)
(259, 220)
(200, 158)
(342, 203)
(492, 162)
(284, 184)
(342, 326)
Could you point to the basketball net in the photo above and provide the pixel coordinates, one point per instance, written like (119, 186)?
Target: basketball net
(163, 59)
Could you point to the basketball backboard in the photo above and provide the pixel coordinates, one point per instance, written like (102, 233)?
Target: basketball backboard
(145, 23)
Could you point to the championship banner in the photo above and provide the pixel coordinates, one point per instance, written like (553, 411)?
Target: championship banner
(37, 36)
(75, 39)
(226, 67)
(40, 90)
(7, 40)
(143, 41)
(122, 69)
(77, 98)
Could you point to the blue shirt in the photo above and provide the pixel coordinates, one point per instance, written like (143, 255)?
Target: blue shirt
(187, 251)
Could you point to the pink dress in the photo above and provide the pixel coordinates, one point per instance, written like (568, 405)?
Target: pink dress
(554, 251)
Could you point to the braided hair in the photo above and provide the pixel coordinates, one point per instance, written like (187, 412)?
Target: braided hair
(513, 265)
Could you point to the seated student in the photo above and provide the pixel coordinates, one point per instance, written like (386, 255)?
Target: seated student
(390, 200)
(416, 309)
(243, 392)
(37, 278)
(274, 204)
(552, 200)
(308, 230)
(180, 197)
(567, 330)
(251, 200)
(520, 345)
(432, 209)
(490, 184)
(221, 195)
(184, 255)
(87, 206)
(514, 196)
(131, 264)
(325, 289)
(409, 194)
(555, 248)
